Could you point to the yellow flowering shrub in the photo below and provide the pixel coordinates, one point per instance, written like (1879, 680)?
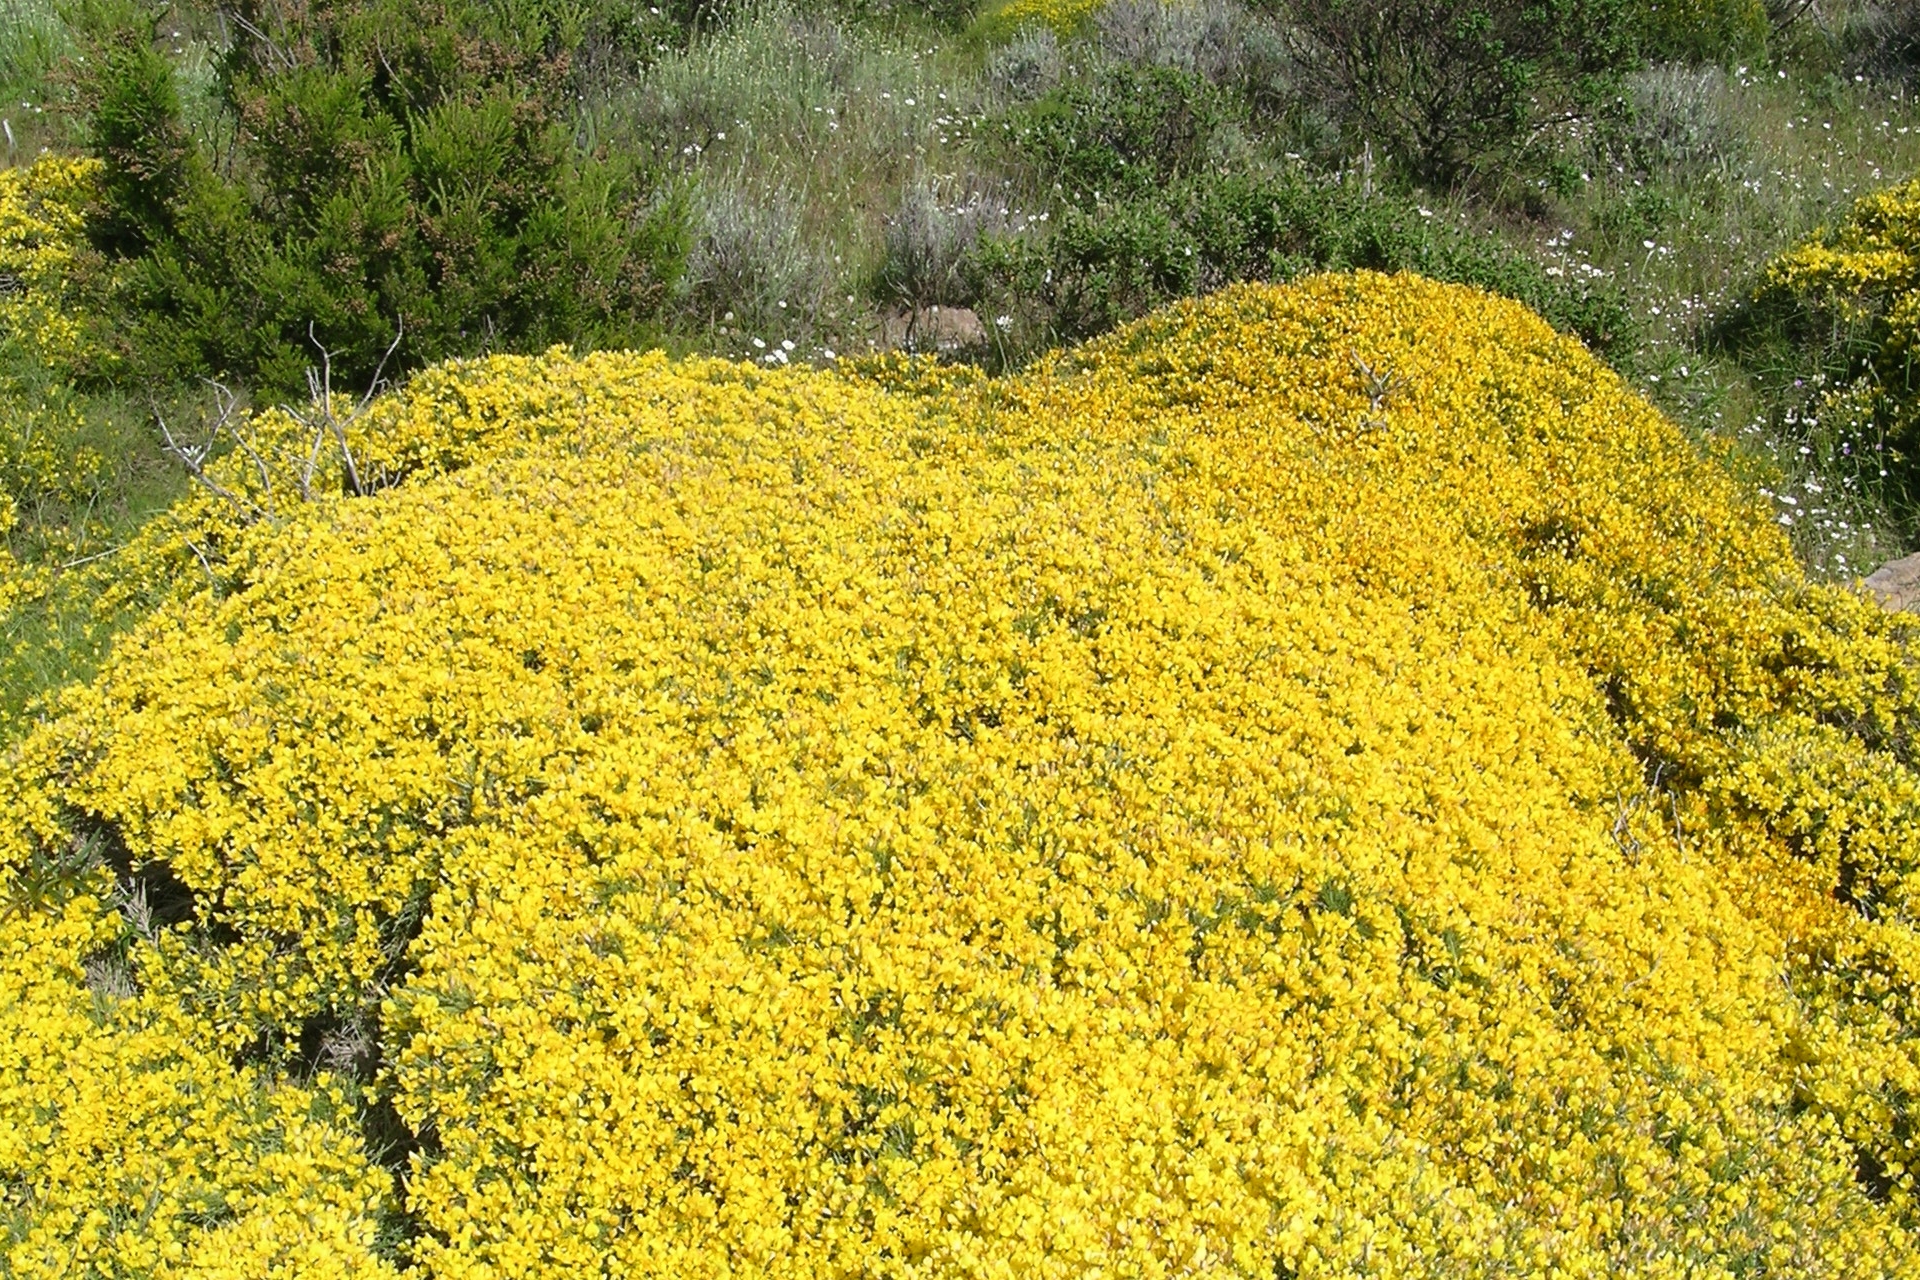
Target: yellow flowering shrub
(1324, 781)
(1859, 280)
(1064, 16)
(43, 212)
(45, 338)
(132, 1147)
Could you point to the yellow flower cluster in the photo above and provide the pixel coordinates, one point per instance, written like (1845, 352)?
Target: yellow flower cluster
(1063, 16)
(1862, 276)
(133, 1147)
(1322, 782)
(43, 212)
(43, 341)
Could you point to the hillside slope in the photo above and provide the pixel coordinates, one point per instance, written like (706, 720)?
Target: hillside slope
(1324, 781)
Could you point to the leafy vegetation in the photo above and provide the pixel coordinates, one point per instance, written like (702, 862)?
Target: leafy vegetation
(395, 175)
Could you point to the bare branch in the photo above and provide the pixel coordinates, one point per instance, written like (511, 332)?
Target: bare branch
(98, 555)
(195, 457)
(379, 371)
(213, 582)
(325, 423)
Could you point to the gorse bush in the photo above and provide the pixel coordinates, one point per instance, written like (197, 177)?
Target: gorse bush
(400, 166)
(1062, 17)
(1848, 301)
(1324, 781)
(49, 342)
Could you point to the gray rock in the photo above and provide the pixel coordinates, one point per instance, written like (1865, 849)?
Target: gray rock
(940, 329)
(1896, 584)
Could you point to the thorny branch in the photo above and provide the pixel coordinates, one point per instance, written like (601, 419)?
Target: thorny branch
(1379, 387)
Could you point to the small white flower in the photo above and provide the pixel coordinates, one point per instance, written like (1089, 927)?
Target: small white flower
(1003, 322)
(759, 344)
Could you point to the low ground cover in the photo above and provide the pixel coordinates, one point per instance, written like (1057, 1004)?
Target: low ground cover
(1322, 779)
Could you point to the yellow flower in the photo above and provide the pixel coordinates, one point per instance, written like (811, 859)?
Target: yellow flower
(1175, 811)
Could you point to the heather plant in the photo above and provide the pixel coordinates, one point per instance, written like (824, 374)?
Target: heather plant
(402, 170)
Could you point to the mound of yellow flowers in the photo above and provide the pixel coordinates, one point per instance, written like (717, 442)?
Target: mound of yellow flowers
(1322, 782)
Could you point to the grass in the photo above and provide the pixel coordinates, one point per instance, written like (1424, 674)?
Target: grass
(59, 632)
(33, 40)
(800, 133)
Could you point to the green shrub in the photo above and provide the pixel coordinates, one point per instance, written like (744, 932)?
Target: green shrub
(1679, 121)
(1704, 30)
(1158, 197)
(1880, 38)
(401, 166)
(1457, 93)
(1123, 131)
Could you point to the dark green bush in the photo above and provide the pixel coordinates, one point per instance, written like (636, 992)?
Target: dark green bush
(1705, 31)
(1125, 130)
(1458, 93)
(395, 167)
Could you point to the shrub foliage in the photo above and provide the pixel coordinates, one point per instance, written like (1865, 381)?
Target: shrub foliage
(1849, 300)
(400, 167)
(1322, 781)
(1152, 205)
(1454, 92)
